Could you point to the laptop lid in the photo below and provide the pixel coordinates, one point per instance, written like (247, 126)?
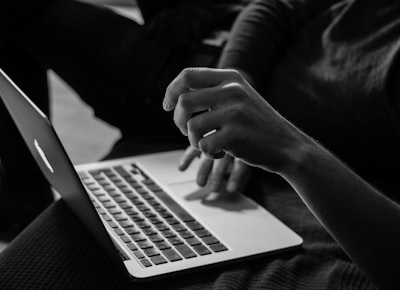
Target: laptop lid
(47, 150)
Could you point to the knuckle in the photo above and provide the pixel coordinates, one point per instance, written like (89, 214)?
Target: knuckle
(235, 74)
(184, 101)
(186, 73)
(205, 146)
(193, 126)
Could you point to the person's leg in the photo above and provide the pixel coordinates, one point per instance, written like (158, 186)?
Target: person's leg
(117, 66)
(24, 193)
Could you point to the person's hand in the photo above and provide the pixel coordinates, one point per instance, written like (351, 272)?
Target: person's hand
(231, 117)
(227, 173)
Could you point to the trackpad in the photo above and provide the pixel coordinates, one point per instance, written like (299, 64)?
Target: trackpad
(200, 200)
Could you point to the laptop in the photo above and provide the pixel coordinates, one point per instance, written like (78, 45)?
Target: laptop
(151, 219)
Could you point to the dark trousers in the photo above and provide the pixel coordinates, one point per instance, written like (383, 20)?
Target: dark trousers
(117, 66)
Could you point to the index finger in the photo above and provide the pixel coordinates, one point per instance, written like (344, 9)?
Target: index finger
(191, 79)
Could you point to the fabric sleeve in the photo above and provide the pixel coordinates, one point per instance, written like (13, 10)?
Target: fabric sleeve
(262, 31)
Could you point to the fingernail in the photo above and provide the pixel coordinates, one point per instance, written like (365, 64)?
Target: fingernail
(166, 106)
(201, 180)
(232, 186)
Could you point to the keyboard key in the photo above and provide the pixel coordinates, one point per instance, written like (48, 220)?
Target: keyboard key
(171, 255)
(141, 190)
(153, 187)
(132, 230)
(138, 254)
(136, 186)
(186, 251)
(109, 204)
(149, 214)
(155, 220)
(98, 193)
(121, 171)
(148, 182)
(126, 190)
(202, 250)
(143, 225)
(158, 260)
(138, 202)
(126, 239)
(165, 215)
(156, 238)
(103, 198)
(120, 217)
(125, 205)
(132, 246)
(149, 232)
(154, 203)
(83, 175)
(113, 224)
(115, 211)
(120, 199)
(150, 252)
(147, 196)
(137, 219)
(146, 262)
(130, 211)
(173, 206)
(119, 231)
(168, 234)
(210, 240)
(145, 245)
(193, 242)
(218, 247)
(194, 226)
(202, 233)
(126, 224)
(113, 193)
(172, 221)
(131, 196)
(163, 245)
(108, 187)
(138, 237)
(159, 208)
(175, 241)
(161, 227)
(179, 227)
(130, 179)
(107, 217)
(102, 211)
(186, 234)
(143, 208)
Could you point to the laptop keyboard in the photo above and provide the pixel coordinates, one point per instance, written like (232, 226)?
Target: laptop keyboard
(153, 226)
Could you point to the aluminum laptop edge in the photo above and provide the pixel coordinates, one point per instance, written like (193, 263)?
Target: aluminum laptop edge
(245, 228)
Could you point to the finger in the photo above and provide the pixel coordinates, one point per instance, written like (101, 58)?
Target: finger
(193, 102)
(219, 171)
(213, 145)
(204, 170)
(238, 177)
(187, 157)
(203, 125)
(193, 78)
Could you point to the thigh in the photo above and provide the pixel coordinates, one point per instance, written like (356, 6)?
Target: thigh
(120, 68)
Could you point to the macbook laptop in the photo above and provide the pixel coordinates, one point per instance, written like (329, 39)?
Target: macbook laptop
(150, 218)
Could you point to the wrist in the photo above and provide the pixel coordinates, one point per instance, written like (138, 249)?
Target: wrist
(299, 155)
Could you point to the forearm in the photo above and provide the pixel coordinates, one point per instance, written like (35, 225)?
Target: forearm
(362, 220)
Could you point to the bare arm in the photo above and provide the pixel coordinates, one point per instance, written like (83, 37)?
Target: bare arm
(363, 221)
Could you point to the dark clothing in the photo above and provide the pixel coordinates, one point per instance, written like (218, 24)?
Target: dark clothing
(328, 66)
(117, 66)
